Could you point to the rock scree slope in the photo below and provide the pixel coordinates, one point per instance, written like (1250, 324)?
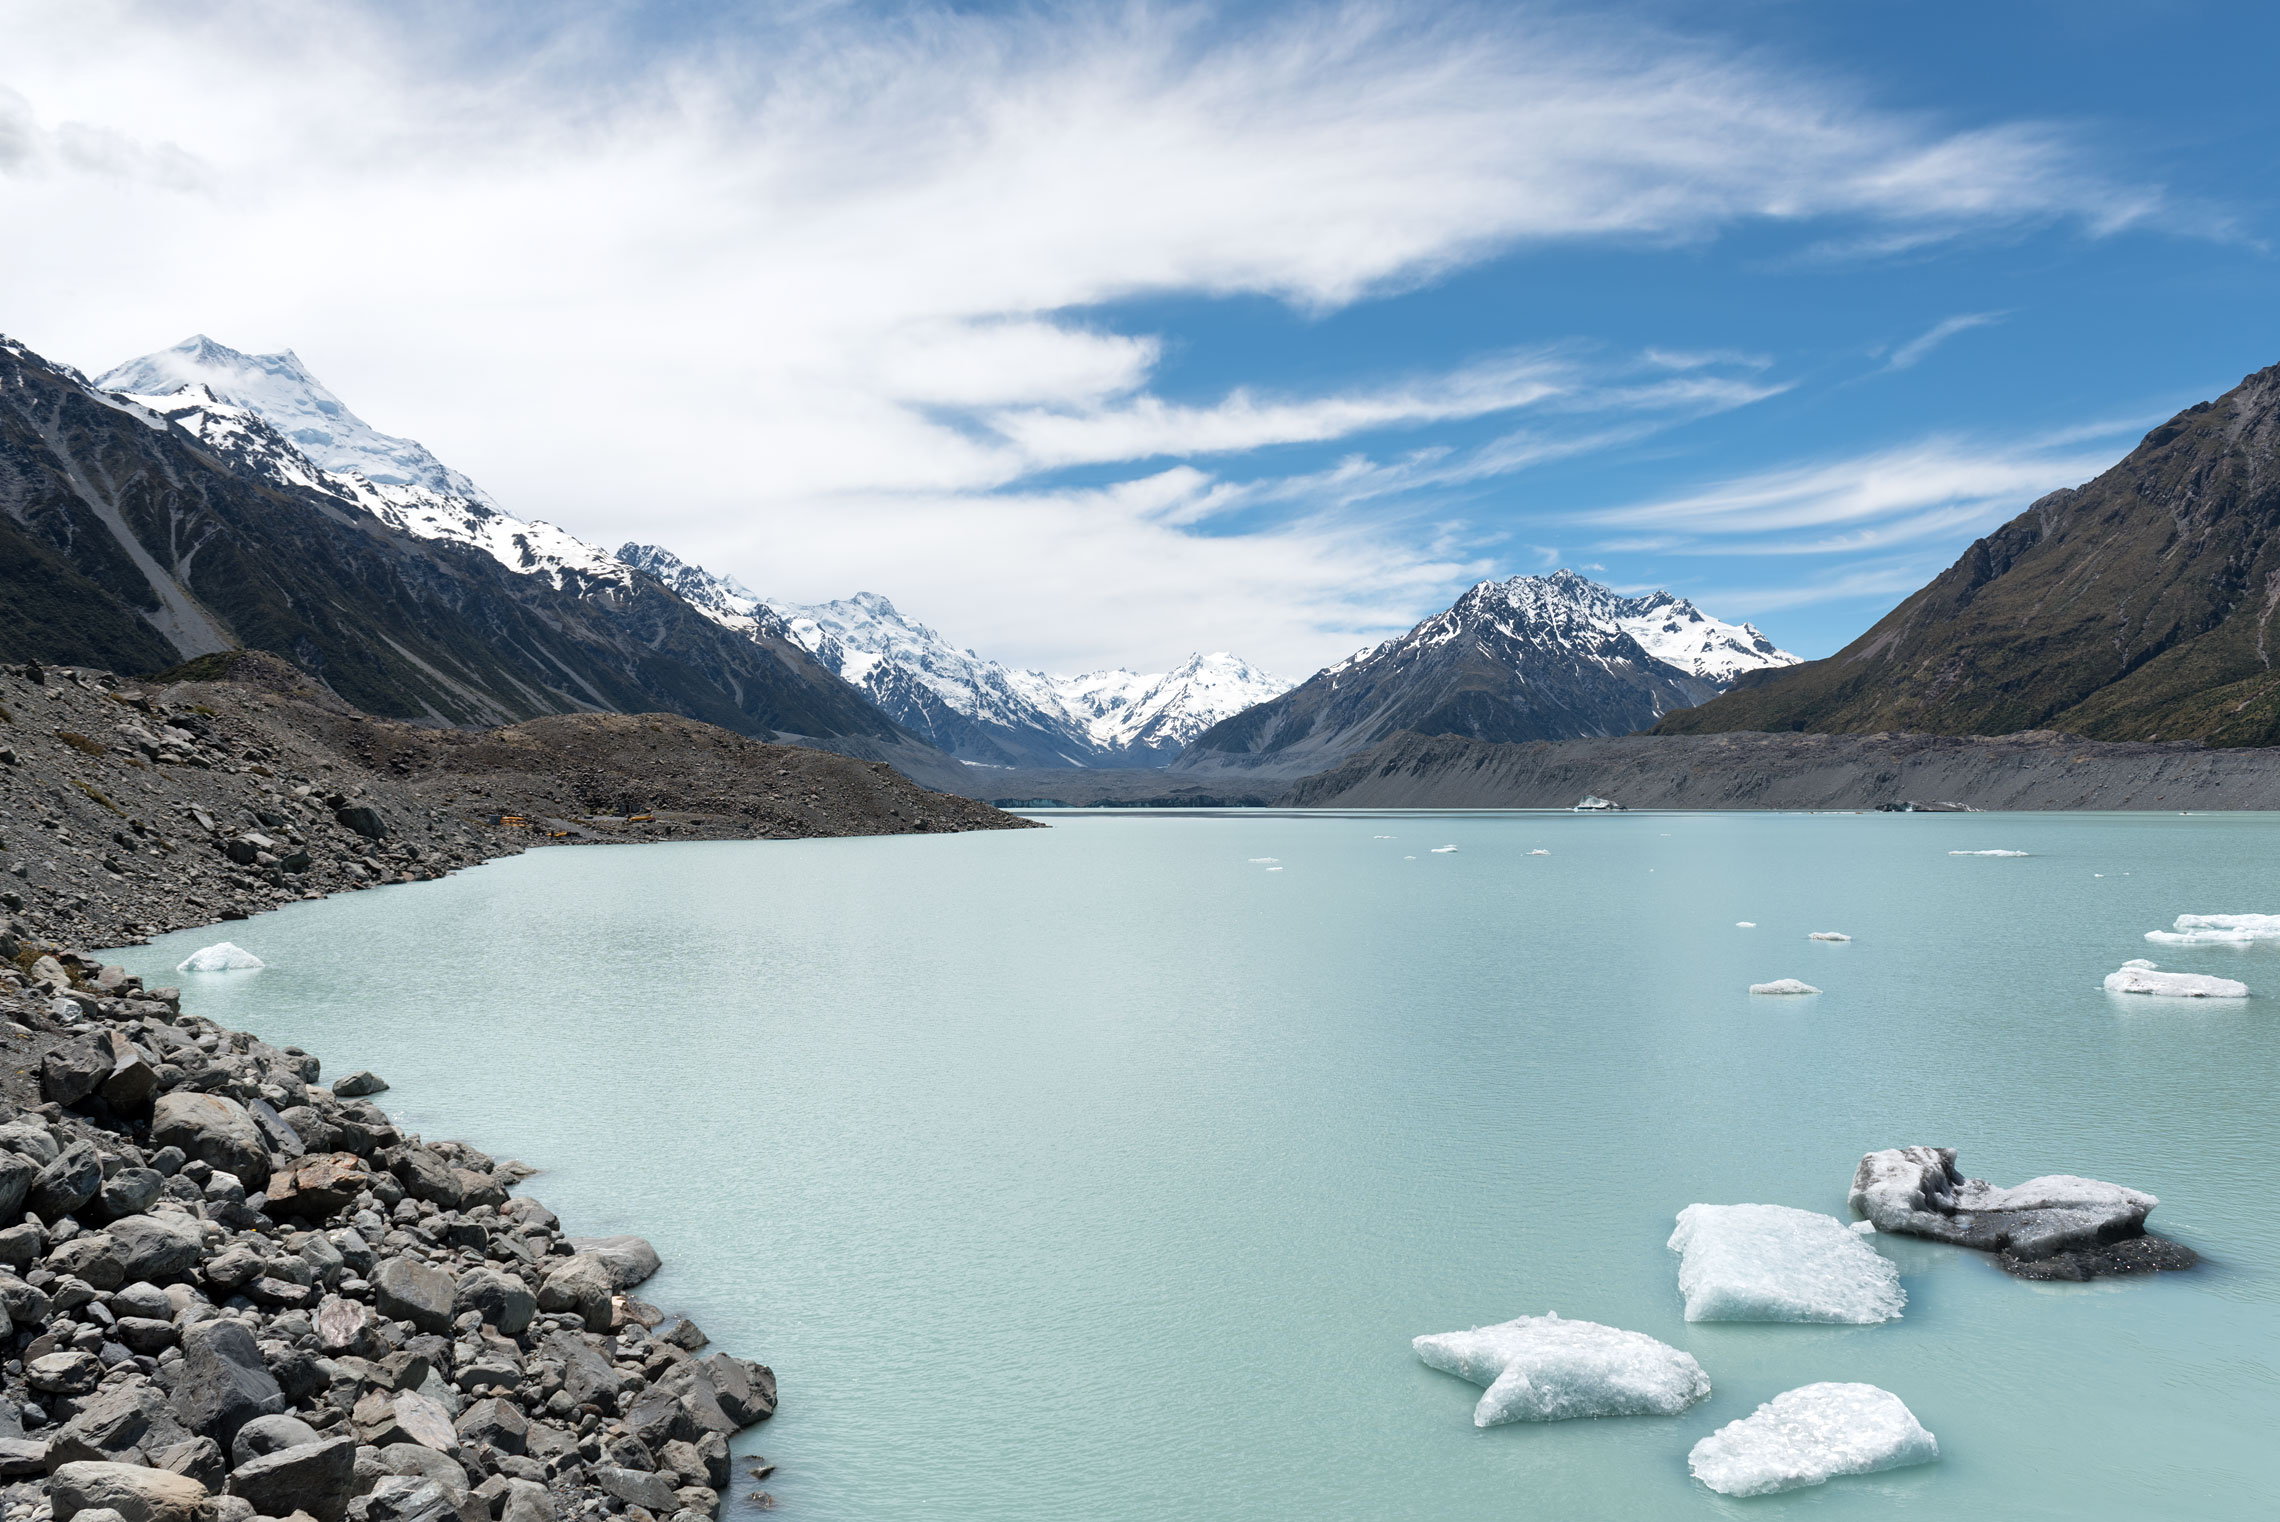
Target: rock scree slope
(2139, 606)
(130, 807)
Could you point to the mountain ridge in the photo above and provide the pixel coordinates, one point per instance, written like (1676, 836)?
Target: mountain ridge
(2137, 606)
(1531, 658)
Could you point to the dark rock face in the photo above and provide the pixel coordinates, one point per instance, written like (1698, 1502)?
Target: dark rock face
(317, 1476)
(364, 820)
(2136, 607)
(2057, 1227)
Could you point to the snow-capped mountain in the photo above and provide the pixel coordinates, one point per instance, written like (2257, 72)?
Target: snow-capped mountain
(976, 708)
(267, 415)
(1555, 657)
(281, 390)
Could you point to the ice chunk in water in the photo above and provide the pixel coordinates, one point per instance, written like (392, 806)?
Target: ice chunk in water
(1539, 851)
(1443, 850)
(2139, 977)
(1919, 1191)
(1261, 860)
(222, 956)
(1772, 1263)
(1783, 986)
(1545, 1369)
(1827, 935)
(1811, 1435)
(1745, 924)
(1987, 853)
(2218, 930)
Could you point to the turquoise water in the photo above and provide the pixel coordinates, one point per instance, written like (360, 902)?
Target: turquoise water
(1100, 1172)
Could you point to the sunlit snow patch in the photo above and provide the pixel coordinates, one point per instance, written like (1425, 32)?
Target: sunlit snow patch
(1988, 853)
(1810, 1435)
(2218, 930)
(1783, 986)
(1827, 935)
(222, 956)
(1545, 1369)
(2139, 977)
(1772, 1263)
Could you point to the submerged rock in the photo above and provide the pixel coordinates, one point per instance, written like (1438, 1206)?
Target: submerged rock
(1809, 1436)
(1547, 1369)
(2072, 1227)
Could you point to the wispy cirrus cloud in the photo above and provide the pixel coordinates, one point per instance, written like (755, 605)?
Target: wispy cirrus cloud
(1908, 354)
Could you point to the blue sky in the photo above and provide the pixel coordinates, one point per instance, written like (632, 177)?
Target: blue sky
(1093, 336)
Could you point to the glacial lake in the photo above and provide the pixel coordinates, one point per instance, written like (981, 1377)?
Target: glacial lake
(1103, 1173)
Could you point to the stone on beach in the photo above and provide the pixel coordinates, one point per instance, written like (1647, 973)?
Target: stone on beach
(405, 1290)
(1809, 1436)
(212, 1129)
(134, 1492)
(630, 1260)
(1548, 1369)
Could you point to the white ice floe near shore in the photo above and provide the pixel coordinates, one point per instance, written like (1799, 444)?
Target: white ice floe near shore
(1772, 1263)
(2218, 930)
(222, 956)
(1548, 1369)
(2140, 977)
(1990, 853)
(1784, 986)
(1810, 1435)
(1827, 935)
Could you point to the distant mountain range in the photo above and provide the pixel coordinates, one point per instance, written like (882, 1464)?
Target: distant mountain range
(975, 708)
(1555, 657)
(266, 420)
(2140, 606)
(136, 533)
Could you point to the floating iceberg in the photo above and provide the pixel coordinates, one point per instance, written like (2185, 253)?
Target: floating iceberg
(2056, 1227)
(1988, 853)
(1544, 1369)
(1539, 851)
(1811, 1435)
(2218, 930)
(1274, 869)
(1827, 935)
(1783, 986)
(220, 957)
(1443, 850)
(2139, 977)
(1261, 860)
(1745, 924)
(1772, 1263)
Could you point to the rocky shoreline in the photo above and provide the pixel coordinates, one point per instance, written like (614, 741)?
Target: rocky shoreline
(232, 1291)
(235, 1292)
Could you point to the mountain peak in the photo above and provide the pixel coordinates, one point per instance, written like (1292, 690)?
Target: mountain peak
(285, 394)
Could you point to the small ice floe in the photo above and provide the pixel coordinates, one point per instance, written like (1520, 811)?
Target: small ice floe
(1772, 1263)
(1783, 986)
(222, 956)
(1257, 861)
(1274, 869)
(1546, 1369)
(1989, 853)
(1811, 1435)
(1539, 851)
(1745, 924)
(1443, 850)
(1827, 935)
(1381, 837)
(2060, 1226)
(2218, 930)
(2139, 977)
(1594, 804)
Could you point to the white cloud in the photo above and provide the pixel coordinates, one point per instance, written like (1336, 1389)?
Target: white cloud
(796, 298)
(1906, 356)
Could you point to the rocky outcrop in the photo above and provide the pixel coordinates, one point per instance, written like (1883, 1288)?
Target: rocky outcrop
(2056, 1227)
(251, 1296)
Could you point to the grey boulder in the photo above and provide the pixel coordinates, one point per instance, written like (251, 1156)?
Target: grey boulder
(502, 1300)
(581, 1286)
(159, 1248)
(405, 1290)
(213, 1129)
(316, 1477)
(630, 1259)
(222, 1382)
(269, 1434)
(137, 1493)
(66, 1184)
